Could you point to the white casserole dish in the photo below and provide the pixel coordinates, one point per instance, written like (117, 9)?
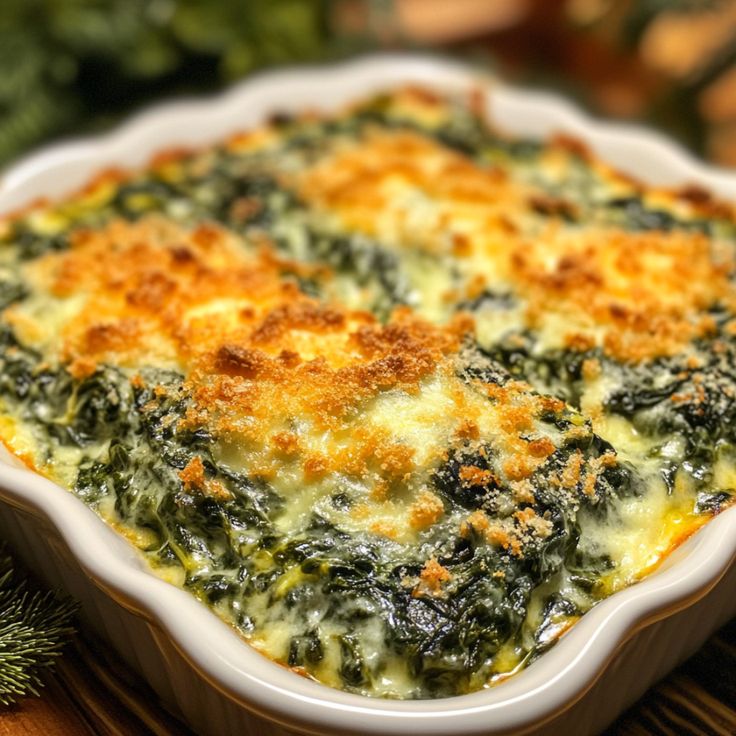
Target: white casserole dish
(196, 663)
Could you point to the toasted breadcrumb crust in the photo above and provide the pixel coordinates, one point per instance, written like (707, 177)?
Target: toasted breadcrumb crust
(258, 350)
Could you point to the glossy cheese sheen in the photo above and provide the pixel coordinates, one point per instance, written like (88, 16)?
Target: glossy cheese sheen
(399, 398)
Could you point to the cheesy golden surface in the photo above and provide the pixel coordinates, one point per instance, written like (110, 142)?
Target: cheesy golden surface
(399, 397)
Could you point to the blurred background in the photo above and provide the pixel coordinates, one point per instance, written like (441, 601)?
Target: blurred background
(75, 66)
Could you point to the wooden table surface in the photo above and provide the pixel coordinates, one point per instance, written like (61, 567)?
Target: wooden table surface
(93, 694)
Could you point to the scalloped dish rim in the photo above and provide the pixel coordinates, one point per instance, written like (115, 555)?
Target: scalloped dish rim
(552, 683)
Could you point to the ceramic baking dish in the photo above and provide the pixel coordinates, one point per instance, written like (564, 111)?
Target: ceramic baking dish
(196, 663)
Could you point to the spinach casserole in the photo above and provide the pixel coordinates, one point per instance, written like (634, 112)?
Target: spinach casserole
(398, 397)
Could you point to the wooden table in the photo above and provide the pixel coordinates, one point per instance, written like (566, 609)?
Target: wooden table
(93, 694)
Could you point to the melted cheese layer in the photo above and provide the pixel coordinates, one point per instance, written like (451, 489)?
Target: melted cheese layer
(355, 348)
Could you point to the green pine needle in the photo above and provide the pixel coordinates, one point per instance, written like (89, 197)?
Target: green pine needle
(34, 626)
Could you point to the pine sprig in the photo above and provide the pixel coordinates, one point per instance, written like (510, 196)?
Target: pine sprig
(34, 626)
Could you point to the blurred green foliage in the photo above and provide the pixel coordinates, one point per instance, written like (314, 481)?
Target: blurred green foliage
(68, 66)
